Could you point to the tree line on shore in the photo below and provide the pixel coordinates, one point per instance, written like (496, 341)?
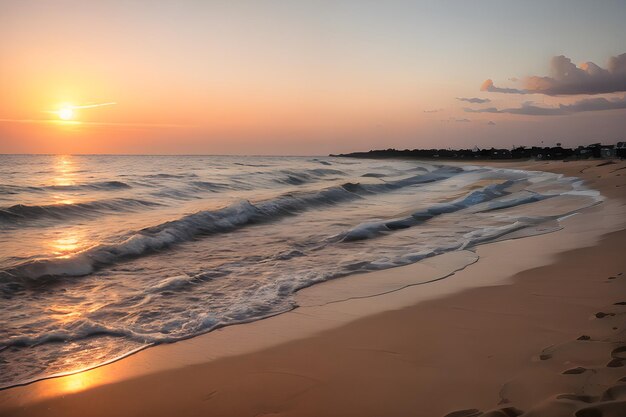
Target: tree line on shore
(595, 150)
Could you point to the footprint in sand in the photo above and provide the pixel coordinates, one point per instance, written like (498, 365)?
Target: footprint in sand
(619, 356)
(616, 392)
(575, 397)
(504, 412)
(574, 371)
(470, 412)
(619, 353)
(611, 408)
(501, 412)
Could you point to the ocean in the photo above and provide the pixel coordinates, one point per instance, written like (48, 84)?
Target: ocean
(101, 256)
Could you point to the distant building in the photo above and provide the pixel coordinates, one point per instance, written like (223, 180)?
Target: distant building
(620, 149)
(607, 153)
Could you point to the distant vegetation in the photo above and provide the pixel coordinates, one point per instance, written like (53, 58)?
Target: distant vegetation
(596, 150)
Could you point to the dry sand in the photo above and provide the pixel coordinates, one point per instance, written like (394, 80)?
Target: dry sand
(543, 334)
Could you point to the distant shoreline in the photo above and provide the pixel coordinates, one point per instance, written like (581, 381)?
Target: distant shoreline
(556, 153)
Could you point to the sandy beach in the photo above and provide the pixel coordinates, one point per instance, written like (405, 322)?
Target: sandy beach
(534, 326)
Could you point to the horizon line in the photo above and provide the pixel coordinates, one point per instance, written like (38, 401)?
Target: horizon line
(286, 155)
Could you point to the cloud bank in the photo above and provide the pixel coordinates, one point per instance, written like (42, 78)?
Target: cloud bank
(474, 100)
(568, 79)
(529, 109)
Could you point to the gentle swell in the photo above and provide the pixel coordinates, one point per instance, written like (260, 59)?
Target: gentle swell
(21, 213)
(293, 177)
(92, 186)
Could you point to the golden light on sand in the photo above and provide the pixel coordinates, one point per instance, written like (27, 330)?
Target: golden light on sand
(66, 113)
(75, 383)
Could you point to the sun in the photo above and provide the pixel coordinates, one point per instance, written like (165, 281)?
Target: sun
(66, 113)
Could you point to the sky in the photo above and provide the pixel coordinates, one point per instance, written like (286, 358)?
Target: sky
(308, 77)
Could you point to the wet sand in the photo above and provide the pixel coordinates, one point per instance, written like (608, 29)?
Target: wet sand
(537, 325)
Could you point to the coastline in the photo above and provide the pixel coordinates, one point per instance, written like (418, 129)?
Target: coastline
(416, 351)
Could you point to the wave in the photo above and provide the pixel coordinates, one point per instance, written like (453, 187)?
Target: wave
(293, 177)
(84, 328)
(491, 192)
(92, 186)
(80, 330)
(209, 222)
(191, 191)
(22, 213)
(251, 165)
(518, 200)
(320, 161)
(165, 175)
(180, 282)
(210, 186)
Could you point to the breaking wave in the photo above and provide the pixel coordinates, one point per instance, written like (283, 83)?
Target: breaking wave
(208, 222)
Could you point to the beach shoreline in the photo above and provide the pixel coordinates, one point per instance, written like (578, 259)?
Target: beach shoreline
(413, 351)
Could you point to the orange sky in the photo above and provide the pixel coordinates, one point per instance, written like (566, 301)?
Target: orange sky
(303, 78)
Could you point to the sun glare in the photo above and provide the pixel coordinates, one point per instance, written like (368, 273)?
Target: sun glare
(66, 113)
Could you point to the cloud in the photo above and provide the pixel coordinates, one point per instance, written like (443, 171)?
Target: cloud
(455, 120)
(529, 109)
(474, 100)
(433, 111)
(488, 86)
(491, 123)
(90, 106)
(568, 79)
(82, 106)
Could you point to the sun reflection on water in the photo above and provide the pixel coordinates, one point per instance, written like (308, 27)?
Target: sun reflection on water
(67, 242)
(62, 199)
(64, 314)
(64, 170)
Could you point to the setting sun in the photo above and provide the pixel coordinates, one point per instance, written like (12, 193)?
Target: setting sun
(66, 113)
